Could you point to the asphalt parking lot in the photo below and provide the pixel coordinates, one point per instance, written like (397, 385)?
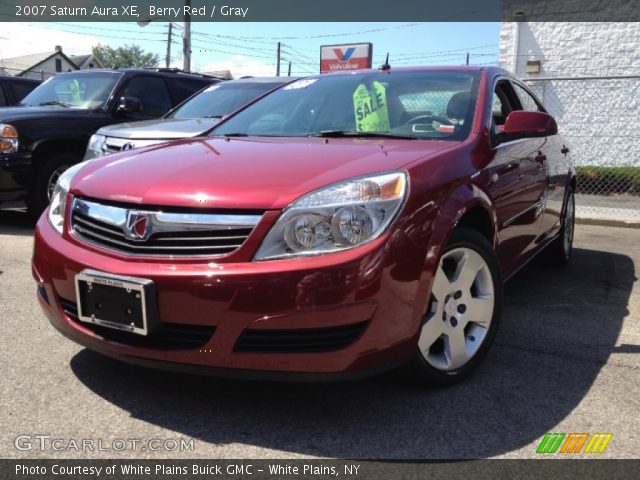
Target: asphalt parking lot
(566, 359)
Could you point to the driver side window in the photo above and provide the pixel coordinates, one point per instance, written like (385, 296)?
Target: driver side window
(502, 105)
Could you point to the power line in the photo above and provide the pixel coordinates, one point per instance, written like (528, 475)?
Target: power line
(393, 27)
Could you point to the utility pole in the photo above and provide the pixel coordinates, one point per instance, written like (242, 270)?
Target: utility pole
(186, 39)
(168, 60)
(289, 72)
(467, 58)
(278, 62)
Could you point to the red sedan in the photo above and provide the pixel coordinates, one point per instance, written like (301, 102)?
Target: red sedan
(342, 225)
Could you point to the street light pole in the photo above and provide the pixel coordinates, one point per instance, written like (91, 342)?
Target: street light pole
(186, 39)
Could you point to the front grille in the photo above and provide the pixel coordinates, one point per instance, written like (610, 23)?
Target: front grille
(108, 149)
(167, 336)
(115, 145)
(300, 340)
(164, 234)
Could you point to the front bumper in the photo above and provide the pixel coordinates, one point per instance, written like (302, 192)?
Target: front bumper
(350, 313)
(18, 162)
(15, 173)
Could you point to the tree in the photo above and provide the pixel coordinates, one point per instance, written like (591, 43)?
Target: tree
(128, 56)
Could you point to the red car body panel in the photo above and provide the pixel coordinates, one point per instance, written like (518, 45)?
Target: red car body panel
(213, 173)
(385, 283)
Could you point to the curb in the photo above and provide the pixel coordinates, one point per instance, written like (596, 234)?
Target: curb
(607, 222)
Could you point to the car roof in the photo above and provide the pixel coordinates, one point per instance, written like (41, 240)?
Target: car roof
(19, 79)
(431, 68)
(172, 72)
(265, 79)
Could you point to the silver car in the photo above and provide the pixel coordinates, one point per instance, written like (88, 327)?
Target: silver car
(192, 118)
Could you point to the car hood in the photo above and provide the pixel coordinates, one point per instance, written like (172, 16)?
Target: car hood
(8, 115)
(160, 129)
(241, 173)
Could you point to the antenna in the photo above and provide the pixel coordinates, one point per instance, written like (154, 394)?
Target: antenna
(386, 67)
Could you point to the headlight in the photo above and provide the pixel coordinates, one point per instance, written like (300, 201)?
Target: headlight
(59, 196)
(8, 138)
(335, 218)
(94, 149)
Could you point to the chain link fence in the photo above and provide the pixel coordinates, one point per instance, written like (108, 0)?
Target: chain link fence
(600, 119)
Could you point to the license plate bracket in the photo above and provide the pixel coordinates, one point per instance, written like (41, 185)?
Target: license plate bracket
(115, 301)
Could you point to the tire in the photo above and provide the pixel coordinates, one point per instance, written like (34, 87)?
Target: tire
(560, 250)
(463, 313)
(48, 173)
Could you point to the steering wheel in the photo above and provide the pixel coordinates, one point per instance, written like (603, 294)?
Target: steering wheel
(441, 120)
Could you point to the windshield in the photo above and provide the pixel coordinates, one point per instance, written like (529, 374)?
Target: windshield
(83, 90)
(422, 105)
(221, 99)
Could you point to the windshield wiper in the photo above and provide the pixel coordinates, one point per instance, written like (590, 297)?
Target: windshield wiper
(234, 134)
(355, 134)
(54, 102)
(213, 116)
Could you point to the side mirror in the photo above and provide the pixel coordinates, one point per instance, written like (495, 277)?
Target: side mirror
(129, 105)
(521, 124)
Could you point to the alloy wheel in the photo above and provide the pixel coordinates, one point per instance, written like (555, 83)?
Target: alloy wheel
(569, 222)
(53, 178)
(460, 311)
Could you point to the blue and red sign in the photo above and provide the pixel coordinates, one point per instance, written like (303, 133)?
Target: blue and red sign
(354, 56)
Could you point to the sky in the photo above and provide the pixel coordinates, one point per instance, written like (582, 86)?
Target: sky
(250, 48)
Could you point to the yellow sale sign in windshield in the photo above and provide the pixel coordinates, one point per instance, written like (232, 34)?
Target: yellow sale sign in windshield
(370, 107)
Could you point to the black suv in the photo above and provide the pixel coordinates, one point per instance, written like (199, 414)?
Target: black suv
(14, 89)
(50, 130)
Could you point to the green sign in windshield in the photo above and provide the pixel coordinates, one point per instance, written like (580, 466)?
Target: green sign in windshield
(370, 106)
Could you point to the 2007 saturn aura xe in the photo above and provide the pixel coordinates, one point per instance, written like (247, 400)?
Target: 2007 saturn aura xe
(342, 225)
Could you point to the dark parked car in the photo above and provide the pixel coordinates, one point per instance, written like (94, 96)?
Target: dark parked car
(14, 89)
(50, 132)
(343, 224)
(192, 118)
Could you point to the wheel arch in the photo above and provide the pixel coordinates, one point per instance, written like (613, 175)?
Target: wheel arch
(45, 148)
(467, 205)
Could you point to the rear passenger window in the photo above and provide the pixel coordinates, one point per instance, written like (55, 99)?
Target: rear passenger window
(183, 89)
(527, 101)
(152, 93)
(3, 100)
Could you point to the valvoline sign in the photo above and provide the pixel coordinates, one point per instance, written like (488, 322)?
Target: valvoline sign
(352, 56)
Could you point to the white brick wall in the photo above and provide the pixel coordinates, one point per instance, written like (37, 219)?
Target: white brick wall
(600, 117)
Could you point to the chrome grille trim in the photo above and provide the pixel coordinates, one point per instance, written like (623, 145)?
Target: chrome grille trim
(170, 234)
(115, 144)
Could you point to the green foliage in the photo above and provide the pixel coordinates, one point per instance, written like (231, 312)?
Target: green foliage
(129, 56)
(608, 180)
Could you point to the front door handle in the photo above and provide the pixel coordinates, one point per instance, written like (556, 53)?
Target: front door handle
(509, 167)
(540, 159)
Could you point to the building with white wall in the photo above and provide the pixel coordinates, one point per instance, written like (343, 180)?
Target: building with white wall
(588, 78)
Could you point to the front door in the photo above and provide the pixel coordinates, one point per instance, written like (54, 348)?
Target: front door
(518, 185)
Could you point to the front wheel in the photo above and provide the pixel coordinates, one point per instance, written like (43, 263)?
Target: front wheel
(463, 313)
(46, 179)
